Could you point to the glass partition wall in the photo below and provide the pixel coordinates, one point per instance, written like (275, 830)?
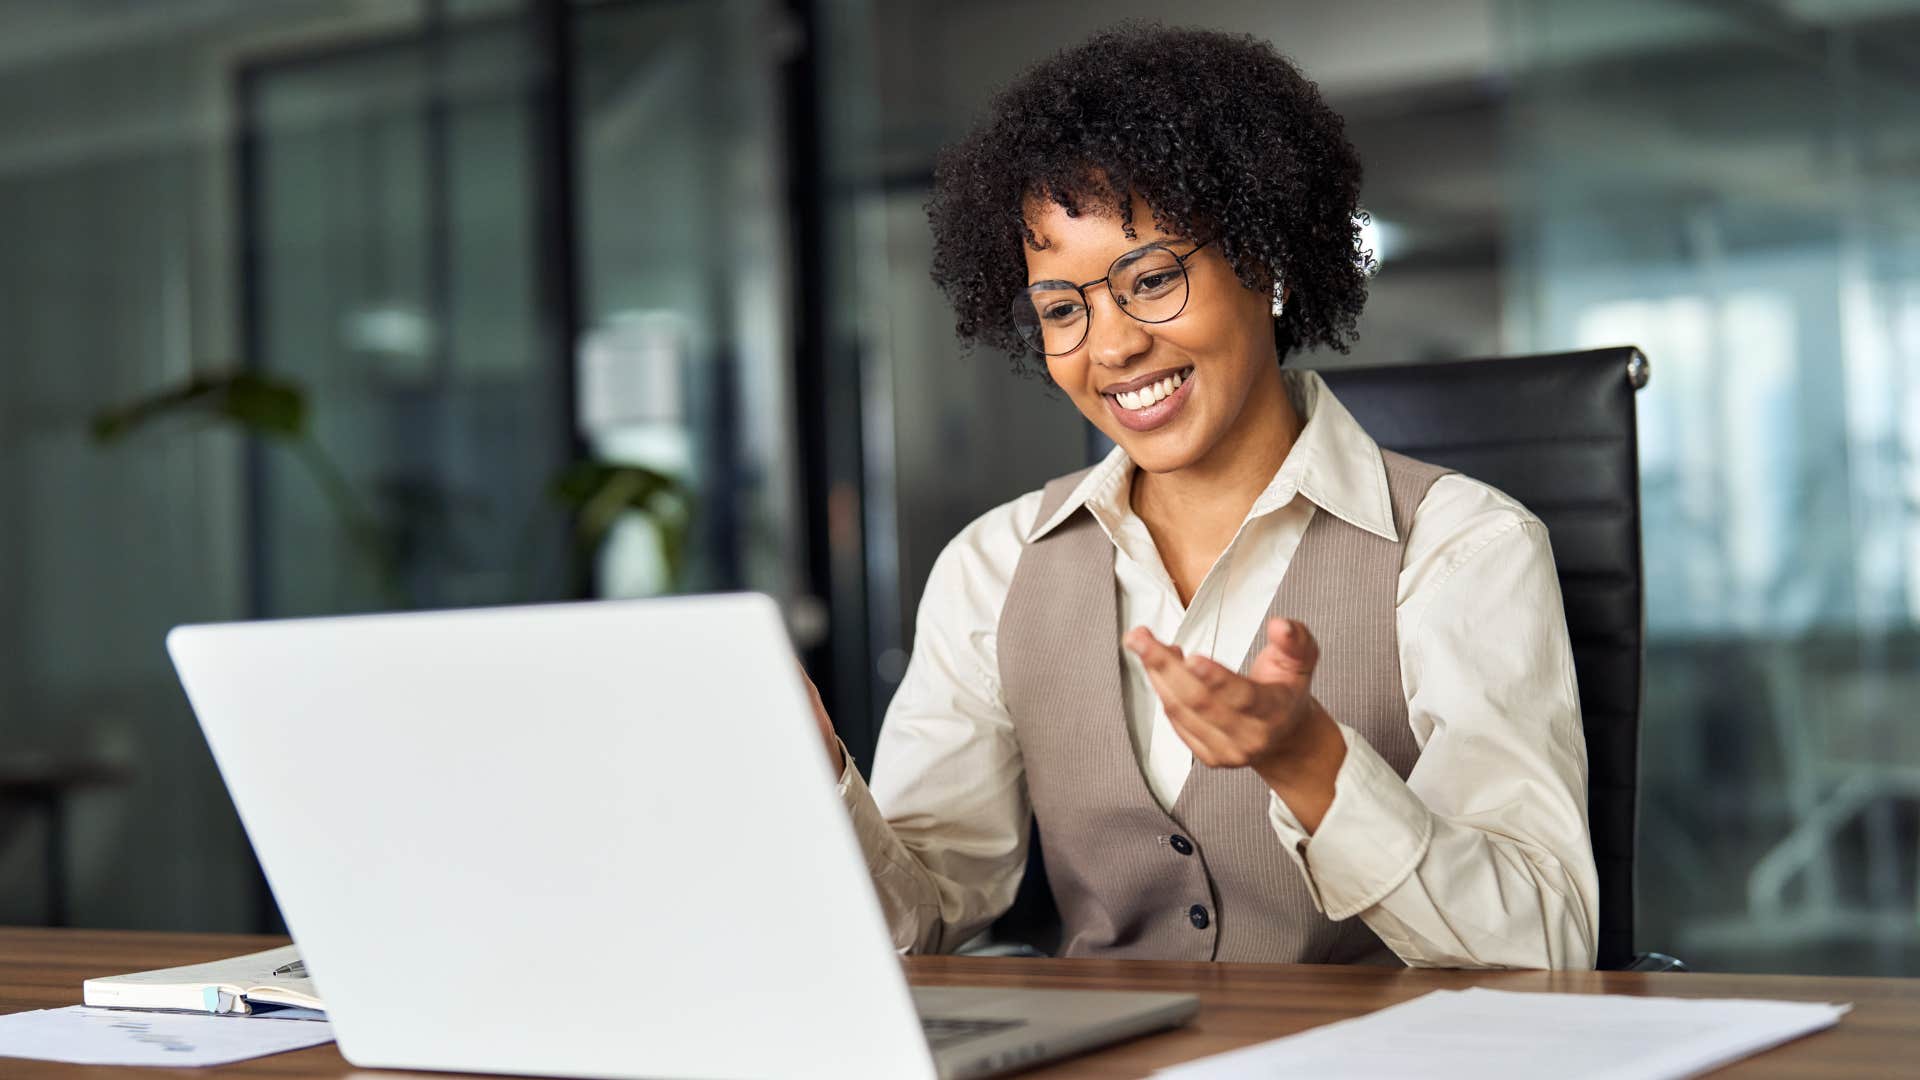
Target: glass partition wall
(680, 154)
(529, 268)
(391, 197)
(384, 306)
(1735, 188)
(505, 273)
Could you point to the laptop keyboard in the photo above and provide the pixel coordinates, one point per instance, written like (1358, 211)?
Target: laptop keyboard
(944, 1032)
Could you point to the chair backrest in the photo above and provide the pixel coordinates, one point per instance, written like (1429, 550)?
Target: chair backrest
(1558, 433)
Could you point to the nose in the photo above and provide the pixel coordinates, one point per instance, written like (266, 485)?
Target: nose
(1114, 338)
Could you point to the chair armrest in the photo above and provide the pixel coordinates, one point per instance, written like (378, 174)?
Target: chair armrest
(1654, 961)
(984, 945)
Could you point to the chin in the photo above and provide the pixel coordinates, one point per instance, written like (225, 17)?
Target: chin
(1156, 453)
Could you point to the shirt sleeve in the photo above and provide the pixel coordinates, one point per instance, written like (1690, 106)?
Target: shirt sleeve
(945, 825)
(1481, 857)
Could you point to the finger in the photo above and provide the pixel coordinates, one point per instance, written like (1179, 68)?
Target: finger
(1177, 697)
(835, 756)
(1227, 687)
(813, 692)
(1240, 712)
(1150, 649)
(1176, 685)
(1289, 656)
(1294, 641)
(1209, 744)
(1166, 669)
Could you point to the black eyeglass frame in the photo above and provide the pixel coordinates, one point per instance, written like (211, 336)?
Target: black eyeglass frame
(1118, 302)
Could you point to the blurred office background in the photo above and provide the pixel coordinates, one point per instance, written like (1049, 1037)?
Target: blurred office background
(486, 301)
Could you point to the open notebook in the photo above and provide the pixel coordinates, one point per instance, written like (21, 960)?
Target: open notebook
(241, 984)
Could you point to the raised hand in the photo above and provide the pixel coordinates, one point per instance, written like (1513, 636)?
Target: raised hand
(1266, 720)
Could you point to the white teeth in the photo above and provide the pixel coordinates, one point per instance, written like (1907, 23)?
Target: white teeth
(1149, 395)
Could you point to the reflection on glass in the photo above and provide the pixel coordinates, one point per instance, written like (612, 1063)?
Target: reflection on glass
(390, 204)
(1697, 189)
(684, 366)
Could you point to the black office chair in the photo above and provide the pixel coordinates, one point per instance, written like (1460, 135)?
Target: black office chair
(1558, 433)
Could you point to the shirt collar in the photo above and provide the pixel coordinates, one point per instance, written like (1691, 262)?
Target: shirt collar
(1334, 463)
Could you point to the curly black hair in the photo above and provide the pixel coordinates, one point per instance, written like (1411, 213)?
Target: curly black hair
(1221, 135)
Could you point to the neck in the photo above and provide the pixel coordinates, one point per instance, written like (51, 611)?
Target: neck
(1215, 492)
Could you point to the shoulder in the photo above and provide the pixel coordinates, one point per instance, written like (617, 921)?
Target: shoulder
(1457, 503)
(1460, 521)
(957, 625)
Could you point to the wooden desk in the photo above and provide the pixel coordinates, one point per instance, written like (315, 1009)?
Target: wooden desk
(1240, 1003)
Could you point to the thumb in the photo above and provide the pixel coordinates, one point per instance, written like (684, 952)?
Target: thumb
(1289, 655)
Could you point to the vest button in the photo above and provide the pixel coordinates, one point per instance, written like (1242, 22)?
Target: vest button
(1180, 844)
(1197, 915)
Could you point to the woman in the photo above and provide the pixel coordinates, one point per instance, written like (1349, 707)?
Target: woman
(1270, 693)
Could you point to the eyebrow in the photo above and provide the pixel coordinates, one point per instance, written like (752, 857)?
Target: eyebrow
(1117, 260)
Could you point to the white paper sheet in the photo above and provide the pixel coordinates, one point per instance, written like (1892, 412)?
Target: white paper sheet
(84, 1036)
(1476, 1034)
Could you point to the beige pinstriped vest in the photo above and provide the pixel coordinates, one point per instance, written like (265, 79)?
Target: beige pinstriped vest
(1209, 880)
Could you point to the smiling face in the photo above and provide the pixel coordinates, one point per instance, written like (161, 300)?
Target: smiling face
(1190, 391)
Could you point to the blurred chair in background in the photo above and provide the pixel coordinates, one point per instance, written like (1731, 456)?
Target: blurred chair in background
(39, 786)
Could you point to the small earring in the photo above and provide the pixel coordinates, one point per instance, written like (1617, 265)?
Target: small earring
(1279, 299)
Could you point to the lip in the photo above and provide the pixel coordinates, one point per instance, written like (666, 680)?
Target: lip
(1155, 415)
(1144, 380)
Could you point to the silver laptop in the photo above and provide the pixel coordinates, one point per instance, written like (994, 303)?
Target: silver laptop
(590, 840)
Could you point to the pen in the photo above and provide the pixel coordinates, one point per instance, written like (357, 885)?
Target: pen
(297, 969)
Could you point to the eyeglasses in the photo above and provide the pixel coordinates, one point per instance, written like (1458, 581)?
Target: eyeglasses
(1148, 283)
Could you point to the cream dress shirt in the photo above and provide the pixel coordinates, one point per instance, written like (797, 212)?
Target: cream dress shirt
(1480, 858)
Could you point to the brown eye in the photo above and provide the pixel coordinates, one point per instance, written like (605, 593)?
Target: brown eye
(1060, 311)
(1155, 283)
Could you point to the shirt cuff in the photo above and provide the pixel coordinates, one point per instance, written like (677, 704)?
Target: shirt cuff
(869, 825)
(1373, 835)
(847, 772)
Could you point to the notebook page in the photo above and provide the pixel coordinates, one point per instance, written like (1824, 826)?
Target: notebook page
(1474, 1034)
(84, 1036)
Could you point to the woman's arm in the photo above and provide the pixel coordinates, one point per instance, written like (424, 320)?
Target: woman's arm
(1481, 858)
(946, 824)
